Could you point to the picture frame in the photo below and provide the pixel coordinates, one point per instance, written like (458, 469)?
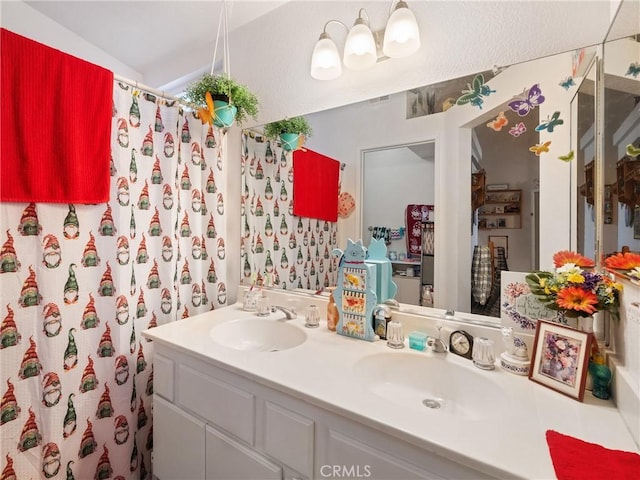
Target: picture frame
(560, 359)
(499, 209)
(500, 241)
(502, 223)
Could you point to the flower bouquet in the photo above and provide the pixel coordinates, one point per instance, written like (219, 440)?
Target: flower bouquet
(626, 263)
(573, 288)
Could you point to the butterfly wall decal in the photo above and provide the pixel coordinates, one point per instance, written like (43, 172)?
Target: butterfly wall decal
(540, 148)
(550, 124)
(473, 94)
(634, 69)
(568, 157)
(529, 100)
(499, 122)
(518, 129)
(567, 83)
(208, 113)
(632, 150)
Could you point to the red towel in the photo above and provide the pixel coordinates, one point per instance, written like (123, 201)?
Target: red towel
(575, 459)
(55, 125)
(315, 185)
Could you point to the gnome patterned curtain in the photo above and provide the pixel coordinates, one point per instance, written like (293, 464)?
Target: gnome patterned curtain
(277, 247)
(78, 283)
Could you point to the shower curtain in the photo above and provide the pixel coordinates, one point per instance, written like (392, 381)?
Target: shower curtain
(277, 247)
(79, 283)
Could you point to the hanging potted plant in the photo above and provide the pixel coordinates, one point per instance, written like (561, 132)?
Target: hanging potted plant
(221, 100)
(292, 132)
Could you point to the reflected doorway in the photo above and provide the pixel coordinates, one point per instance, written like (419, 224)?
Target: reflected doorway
(398, 195)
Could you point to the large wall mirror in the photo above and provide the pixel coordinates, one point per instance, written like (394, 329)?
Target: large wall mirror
(545, 188)
(621, 133)
(462, 143)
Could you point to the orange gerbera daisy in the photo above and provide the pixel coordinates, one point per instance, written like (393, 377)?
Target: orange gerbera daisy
(565, 256)
(623, 261)
(577, 299)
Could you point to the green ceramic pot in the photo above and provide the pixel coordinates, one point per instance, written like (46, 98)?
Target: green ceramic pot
(289, 141)
(225, 114)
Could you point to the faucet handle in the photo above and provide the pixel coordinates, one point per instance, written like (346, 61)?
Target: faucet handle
(436, 345)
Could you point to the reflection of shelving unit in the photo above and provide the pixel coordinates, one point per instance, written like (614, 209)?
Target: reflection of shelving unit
(501, 209)
(427, 260)
(477, 190)
(408, 285)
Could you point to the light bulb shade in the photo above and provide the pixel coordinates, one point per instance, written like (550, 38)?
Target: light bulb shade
(360, 48)
(325, 60)
(401, 37)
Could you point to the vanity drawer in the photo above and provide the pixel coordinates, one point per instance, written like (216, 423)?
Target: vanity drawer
(289, 437)
(163, 369)
(220, 403)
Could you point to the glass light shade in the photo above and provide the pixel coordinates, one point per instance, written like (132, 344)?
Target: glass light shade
(325, 60)
(401, 37)
(360, 48)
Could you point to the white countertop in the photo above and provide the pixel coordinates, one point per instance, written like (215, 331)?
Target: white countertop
(506, 442)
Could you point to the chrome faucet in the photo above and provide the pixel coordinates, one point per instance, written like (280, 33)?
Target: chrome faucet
(289, 313)
(435, 343)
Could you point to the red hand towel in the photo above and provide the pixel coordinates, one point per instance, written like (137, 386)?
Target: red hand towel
(415, 215)
(575, 459)
(315, 185)
(55, 125)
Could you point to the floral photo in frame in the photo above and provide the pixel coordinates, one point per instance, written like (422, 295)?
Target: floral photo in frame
(560, 359)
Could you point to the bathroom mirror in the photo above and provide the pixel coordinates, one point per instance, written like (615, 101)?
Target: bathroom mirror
(621, 189)
(583, 108)
(366, 132)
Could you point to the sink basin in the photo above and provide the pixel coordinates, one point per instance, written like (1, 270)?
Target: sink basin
(258, 335)
(432, 385)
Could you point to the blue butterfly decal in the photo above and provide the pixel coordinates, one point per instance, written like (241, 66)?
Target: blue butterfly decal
(634, 69)
(567, 83)
(473, 95)
(530, 99)
(550, 124)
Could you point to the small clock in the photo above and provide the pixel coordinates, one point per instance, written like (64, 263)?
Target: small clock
(461, 343)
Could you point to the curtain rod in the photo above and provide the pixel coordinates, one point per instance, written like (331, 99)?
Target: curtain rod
(141, 86)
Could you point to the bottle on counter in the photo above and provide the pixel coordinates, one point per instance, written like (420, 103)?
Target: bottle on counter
(381, 318)
(333, 316)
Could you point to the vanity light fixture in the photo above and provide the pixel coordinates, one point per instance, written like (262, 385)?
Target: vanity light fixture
(401, 39)
(360, 47)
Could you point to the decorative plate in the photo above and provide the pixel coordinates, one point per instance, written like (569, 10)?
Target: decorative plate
(346, 205)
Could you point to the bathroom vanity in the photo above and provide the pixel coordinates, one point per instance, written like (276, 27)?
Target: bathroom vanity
(238, 396)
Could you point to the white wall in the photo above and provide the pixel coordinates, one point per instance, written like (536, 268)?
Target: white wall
(20, 18)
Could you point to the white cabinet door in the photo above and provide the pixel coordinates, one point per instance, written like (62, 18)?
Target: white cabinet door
(178, 443)
(228, 459)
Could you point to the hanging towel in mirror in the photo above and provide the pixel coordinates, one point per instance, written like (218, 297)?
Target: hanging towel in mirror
(315, 185)
(481, 273)
(415, 215)
(55, 125)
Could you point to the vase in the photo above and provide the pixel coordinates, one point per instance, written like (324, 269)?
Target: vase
(585, 324)
(602, 375)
